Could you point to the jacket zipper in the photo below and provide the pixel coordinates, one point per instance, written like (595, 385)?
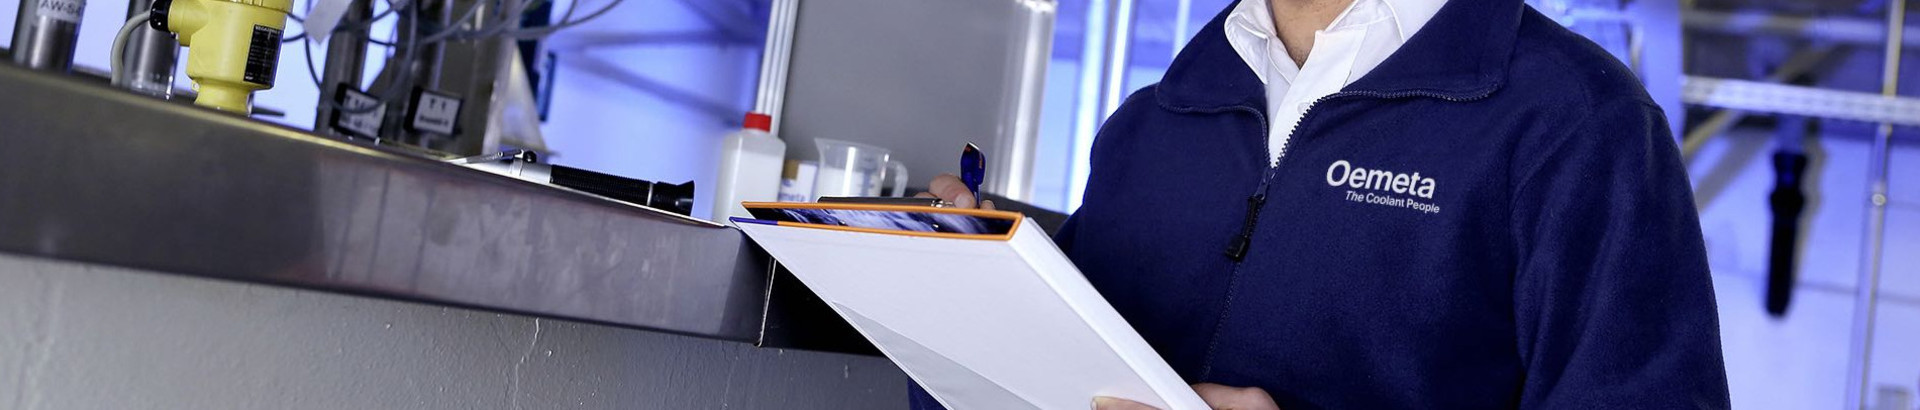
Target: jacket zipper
(1237, 249)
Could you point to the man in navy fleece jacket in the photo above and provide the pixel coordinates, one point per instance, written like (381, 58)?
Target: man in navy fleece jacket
(1495, 216)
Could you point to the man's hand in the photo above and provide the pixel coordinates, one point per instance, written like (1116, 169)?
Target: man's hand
(1218, 397)
(949, 188)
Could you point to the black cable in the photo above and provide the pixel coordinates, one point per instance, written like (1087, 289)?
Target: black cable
(385, 95)
(538, 32)
(405, 55)
(340, 28)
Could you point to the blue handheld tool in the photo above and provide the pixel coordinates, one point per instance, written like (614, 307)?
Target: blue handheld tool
(973, 170)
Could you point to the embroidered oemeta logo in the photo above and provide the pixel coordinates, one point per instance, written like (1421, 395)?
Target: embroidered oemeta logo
(1383, 187)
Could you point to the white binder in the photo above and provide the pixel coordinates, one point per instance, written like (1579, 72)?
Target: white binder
(980, 321)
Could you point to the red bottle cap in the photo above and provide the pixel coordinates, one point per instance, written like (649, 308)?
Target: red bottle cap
(759, 121)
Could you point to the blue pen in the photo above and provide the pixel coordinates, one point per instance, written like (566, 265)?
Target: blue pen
(973, 170)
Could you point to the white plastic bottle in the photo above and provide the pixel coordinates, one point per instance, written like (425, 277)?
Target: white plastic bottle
(750, 162)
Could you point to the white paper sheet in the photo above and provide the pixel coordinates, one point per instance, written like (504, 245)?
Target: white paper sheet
(982, 324)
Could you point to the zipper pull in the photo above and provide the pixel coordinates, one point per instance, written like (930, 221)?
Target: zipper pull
(1237, 250)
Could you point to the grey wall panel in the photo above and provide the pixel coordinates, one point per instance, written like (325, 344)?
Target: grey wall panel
(923, 78)
(77, 336)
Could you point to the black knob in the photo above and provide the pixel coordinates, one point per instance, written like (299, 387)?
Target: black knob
(157, 15)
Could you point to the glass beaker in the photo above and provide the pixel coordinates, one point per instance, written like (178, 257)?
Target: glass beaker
(855, 169)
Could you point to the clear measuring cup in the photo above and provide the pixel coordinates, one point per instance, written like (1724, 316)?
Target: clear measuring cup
(855, 169)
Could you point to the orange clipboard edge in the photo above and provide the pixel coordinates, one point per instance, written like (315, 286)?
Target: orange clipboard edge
(1016, 217)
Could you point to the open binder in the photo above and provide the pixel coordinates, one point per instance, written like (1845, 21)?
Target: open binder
(977, 306)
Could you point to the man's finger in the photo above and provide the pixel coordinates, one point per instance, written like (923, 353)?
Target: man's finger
(1115, 403)
(949, 187)
(1235, 398)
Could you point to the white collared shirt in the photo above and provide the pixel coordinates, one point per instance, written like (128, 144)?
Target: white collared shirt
(1352, 45)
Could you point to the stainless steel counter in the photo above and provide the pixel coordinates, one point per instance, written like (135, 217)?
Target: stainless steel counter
(97, 175)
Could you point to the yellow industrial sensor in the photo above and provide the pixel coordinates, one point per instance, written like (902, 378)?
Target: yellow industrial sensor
(233, 46)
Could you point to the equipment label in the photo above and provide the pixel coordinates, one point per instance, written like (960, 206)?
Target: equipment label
(263, 55)
(435, 113)
(362, 114)
(61, 10)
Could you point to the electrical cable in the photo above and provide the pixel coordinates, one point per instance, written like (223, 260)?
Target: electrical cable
(454, 30)
(506, 20)
(307, 45)
(538, 32)
(500, 28)
(513, 20)
(343, 27)
(408, 53)
(369, 23)
(392, 7)
(405, 56)
(116, 69)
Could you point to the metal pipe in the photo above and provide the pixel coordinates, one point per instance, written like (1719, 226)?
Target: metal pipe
(1795, 65)
(475, 70)
(665, 90)
(1119, 47)
(346, 61)
(1843, 29)
(1087, 108)
(1800, 100)
(1024, 100)
(775, 61)
(1867, 296)
(1658, 50)
(421, 70)
(1182, 12)
(45, 33)
(586, 41)
(151, 55)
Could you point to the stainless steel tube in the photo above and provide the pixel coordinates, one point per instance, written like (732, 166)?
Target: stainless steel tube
(472, 69)
(1866, 300)
(775, 61)
(151, 55)
(346, 62)
(45, 32)
(423, 64)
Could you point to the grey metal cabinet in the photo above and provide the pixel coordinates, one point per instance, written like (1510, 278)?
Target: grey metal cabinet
(920, 77)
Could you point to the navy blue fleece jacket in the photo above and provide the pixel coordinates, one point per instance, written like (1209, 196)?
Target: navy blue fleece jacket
(1495, 217)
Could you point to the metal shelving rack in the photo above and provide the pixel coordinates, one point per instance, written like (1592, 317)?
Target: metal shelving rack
(1736, 97)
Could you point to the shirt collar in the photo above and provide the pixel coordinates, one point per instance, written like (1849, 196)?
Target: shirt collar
(1253, 18)
(1411, 15)
(1462, 54)
(1250, 28)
